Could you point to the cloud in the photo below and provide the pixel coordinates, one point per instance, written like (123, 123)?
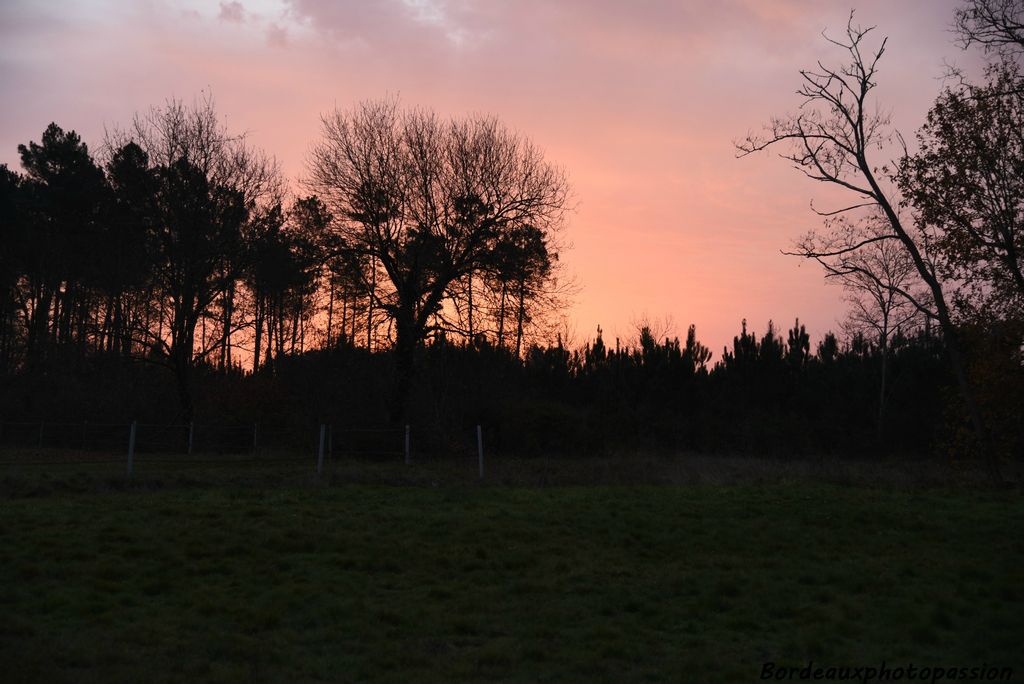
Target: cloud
(232, 12)
(391, 25)
(277, 36)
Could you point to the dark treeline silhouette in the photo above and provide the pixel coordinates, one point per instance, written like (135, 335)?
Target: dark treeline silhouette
(767, 395)
(181, 249)
(180, 284)
(172, 277)
(116, 273)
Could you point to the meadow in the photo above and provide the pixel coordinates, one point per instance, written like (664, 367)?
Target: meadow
(431, 577)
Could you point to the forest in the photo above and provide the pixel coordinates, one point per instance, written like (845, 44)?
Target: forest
(414, 275)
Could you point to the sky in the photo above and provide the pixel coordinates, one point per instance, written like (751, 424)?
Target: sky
(640, 102)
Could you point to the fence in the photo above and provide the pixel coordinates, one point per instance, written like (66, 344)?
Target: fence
(137, 444)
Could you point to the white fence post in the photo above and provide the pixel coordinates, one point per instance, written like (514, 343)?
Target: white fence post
(320, 452)
(408, 459)
(191, 435)
(480, 448)
(131, 447)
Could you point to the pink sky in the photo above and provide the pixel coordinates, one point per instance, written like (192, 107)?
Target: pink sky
(639, 101)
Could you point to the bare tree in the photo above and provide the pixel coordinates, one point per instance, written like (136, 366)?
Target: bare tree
(996, 25)
(427, 200)
(833, 140)
(875, 278)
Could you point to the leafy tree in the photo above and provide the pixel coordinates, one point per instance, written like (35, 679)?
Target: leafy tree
(695, 355)
(12, 236)
(66, 191)
(828, 348)
(129, 249)
(798, 345)
(966, 182)
(207, 184)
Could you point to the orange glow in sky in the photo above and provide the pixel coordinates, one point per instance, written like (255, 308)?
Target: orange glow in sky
(638, 101)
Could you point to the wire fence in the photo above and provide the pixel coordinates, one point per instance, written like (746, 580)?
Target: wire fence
(137, 445)
(37, 457)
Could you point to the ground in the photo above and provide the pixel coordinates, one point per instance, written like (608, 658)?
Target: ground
(452, 581)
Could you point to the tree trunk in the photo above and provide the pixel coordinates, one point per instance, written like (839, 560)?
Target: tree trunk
(405, 351)
(258, 333)
(268, 359)
(295, 326)
(343, 327)
(881, 390)
(949, 331)
(330, 313)
(182, 377)
(183, 343)
(105, 341)
(469, 299)
(225, 341)
(352, 316)
(280, 327)
(521, 315)
(369, 313)
(37, 337)
(501, 317)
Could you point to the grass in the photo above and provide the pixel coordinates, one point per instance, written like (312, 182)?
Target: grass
(358, 582)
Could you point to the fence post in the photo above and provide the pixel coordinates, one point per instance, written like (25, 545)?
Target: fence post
(131, 447)
(408, 458)
(330, 442)
(480, 448)
(255, 431)
(40, 434)
(84, 424)
(191, 435)
(320, 451)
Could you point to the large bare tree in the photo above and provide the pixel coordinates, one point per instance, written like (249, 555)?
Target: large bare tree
(426, 200)
(834, 139)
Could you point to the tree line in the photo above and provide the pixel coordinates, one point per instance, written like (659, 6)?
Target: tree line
(178, 246)
(416, 277)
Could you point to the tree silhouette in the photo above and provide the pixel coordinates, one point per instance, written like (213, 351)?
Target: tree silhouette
(207, 184)
(426, 200)
(129, 248)
(12, 235)
(994, 24)
(831, 141)
(966, 182)
(66, 192)
(798, 346)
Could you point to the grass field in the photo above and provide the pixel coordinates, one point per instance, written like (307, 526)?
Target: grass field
(454, 582)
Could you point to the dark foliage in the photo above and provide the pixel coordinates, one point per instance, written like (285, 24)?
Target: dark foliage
(766, 396)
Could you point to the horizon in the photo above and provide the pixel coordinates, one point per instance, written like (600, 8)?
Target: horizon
(640, 107)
